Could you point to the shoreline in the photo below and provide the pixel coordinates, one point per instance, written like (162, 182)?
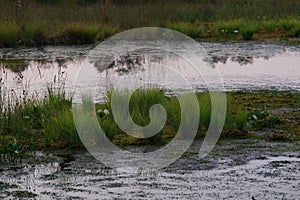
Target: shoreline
(58, 131)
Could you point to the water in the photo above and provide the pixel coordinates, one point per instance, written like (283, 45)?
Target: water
(234, 170)
(242, 66)
(243, 173)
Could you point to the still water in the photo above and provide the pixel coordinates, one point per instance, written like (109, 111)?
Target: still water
(242, 66)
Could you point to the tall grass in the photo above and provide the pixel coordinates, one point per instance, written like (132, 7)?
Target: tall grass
(79, 33)
(288, 24)
(296, 30)
(48, 122)
(81, 21)
(248, 29)
(193, 30)
(9, 34)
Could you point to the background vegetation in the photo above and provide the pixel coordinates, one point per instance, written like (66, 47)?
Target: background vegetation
(37, 22)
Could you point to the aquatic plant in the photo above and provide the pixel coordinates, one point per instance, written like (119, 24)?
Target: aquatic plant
(262, 119)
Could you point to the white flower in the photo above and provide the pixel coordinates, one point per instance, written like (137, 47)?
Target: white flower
(236, 31)
(26, 117)
(106, 111)
(254, 117)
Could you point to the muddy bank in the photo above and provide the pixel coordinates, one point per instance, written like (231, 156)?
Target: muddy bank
(235, 169)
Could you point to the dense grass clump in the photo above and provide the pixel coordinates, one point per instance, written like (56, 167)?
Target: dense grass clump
(269, 26)
(248, 30)
(296, 30)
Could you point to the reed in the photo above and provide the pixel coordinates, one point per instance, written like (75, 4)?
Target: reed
(86, 21)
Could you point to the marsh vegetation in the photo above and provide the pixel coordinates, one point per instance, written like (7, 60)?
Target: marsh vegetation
(31, 22)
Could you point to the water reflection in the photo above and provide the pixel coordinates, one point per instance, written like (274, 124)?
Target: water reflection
(262, 66)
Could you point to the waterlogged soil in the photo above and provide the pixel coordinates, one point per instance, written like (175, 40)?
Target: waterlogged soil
(235, 169)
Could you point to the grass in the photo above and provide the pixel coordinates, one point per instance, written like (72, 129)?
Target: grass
(87, 21)
(192, 30)
(30, 123)
(80, 33)
(248, 29)
(296, 30)
(9, 34)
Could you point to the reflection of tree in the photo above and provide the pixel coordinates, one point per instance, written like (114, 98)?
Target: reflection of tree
(241, 59)
(15, 66)
(20, 65)
(126, 64)
(131, 62)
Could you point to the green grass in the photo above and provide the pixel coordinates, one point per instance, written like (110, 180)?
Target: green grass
(228, 27)
(48, 122)
(269, 26)
(296, 30)
(288, 24)
(192, 30)
(9, 34)
(241, 120)
(248, 29)
(87, 21)
(79, 33)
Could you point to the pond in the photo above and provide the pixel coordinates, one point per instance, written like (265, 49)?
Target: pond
(242, 66)
(235, 169)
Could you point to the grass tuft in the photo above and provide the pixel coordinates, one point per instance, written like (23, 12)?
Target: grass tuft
(248, 30)
(296, 30)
